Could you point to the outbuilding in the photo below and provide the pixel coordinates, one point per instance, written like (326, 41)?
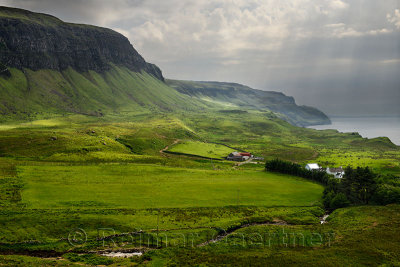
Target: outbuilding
(313, 167)
(239, 156)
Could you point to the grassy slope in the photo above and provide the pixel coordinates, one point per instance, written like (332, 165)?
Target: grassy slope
(264, 134)
(364, 236)
(241, 97)
(40, 93)
(29, 16)
(131, 136)
(358, 235)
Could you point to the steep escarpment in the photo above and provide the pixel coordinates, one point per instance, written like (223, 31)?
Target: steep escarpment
(38, 41)
(245, 97)
(49, 67)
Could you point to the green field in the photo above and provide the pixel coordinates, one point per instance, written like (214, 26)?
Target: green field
(202, 149)
(146, 186)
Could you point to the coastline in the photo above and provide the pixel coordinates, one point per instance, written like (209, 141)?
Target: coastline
(367, 126)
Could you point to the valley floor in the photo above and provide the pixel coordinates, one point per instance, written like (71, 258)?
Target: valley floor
(75, 186)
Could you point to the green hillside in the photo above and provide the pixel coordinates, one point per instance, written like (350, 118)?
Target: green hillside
(38, 93)
(28, 16)
(237, 96)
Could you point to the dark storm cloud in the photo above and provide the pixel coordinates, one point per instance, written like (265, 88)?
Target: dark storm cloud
(341, 56)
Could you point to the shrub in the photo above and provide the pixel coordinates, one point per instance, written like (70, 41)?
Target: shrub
(386, 194)
(339, 201)
(327, 198)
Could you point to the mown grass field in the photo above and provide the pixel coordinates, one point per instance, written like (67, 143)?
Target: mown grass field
(202, 149)
(150, 186)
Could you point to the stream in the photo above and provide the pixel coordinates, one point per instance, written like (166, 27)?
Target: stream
(226, 233)
(323, 219)
(118, 254)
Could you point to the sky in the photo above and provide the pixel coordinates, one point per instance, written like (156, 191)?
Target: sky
(341, 56)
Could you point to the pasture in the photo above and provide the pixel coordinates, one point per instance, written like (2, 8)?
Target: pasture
(150, 186)
(202, 149)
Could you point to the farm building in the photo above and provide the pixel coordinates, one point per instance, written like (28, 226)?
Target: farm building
(239, 156)
(313, 167)
(337, 172)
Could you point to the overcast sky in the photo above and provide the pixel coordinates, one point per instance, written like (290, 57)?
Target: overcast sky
(342, 56)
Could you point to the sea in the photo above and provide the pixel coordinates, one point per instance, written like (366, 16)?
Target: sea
(368, 127)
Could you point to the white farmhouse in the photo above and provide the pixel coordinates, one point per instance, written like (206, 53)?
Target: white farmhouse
(337, 172)
(313, 167)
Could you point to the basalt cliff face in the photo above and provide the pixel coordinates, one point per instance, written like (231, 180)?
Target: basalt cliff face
(49, 67)
(37, 41)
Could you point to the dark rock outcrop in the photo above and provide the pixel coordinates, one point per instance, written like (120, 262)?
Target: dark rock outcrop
(38, 41)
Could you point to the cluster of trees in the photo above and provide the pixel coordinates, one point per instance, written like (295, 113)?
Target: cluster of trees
(358, 186)
(388, 190)
(362, 186)
(287, 167)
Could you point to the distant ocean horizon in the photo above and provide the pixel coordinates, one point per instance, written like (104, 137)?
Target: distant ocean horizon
(369, 127)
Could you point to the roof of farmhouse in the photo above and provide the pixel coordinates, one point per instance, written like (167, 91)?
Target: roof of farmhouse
(340, 169)
(313, 166)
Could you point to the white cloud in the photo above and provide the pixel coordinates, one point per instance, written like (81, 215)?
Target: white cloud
(380, 31)
(340, 30)
(390, 61)
(338, 4)
(227, 28)
(395, 18)
(335, 25)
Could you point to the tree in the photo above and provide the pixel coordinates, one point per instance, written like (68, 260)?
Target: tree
(327, 199)
(386, 194)
(339, 201)
(359, 185)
